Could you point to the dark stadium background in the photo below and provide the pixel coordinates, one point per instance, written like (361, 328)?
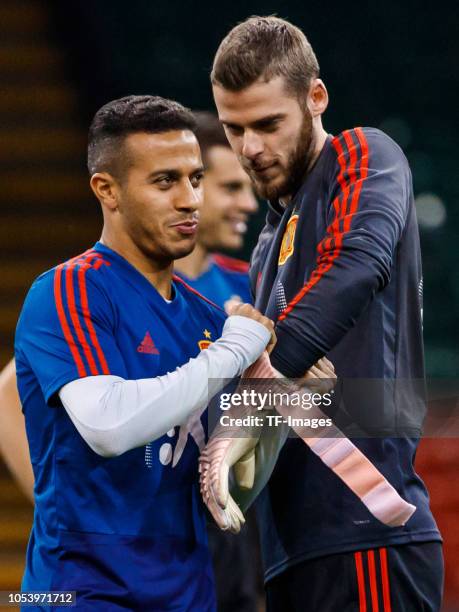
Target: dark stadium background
(390, 64)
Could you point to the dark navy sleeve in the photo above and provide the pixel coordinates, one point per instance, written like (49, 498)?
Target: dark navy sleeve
(368, 204)
(65, 330)
(260, 251)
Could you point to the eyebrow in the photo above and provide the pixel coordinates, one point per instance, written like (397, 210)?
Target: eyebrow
(174, 173)
(232, 184)
(259, 122)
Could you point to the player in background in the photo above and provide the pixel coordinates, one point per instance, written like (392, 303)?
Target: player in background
(338, 268)
(13, 441)
(228, 202)
(113, 379)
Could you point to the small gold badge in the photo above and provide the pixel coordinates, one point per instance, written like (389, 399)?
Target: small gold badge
(286, 248)
(203, 344)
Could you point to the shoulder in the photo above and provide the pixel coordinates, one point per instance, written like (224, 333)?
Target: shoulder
(230, 264)
(235, 274)
(91, 261)
(70, 281)
(361, 144)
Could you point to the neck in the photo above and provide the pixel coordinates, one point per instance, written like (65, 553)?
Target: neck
(317, 144)
(159, 274)
(194, 264)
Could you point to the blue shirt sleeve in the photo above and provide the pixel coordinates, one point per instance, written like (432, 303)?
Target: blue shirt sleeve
(370, 190)
(66, 329)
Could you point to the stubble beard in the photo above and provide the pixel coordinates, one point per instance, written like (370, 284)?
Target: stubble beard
(298, 163)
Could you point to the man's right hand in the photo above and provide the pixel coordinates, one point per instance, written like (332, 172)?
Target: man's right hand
(247, 310)
(320, 377)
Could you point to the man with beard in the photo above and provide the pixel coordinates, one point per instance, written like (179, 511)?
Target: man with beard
(338, 267)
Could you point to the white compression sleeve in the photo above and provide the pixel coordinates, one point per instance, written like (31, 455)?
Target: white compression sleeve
(114, 415)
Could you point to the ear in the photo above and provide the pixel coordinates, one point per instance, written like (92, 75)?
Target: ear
(105, 189)
(317, 98)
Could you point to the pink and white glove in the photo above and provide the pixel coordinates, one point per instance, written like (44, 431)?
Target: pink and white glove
(227, 448)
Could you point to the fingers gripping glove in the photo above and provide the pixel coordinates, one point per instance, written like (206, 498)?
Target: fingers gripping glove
(252, 459)
(251, 451)
(214, 465)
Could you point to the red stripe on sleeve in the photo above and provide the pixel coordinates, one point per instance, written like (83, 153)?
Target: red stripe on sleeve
(87, 318)
(360, 582)
(352, 157)
(63, 321)
(100, 262)
(373, 584)
(70, 291)
(359, 182)
(385, 579)
(326, 258)
(334, 228)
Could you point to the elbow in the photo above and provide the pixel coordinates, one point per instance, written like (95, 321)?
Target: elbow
(107, 452)
(105, 446)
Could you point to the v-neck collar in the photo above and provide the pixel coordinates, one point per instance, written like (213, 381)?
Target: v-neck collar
(139, 281)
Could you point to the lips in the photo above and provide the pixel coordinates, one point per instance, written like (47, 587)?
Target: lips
(262, 169)
(186, 228)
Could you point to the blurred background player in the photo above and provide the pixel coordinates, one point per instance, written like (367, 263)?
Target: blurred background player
(229, 201)
(13, 441)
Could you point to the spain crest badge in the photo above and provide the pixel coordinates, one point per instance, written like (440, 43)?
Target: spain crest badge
(287, 244)
(205, 343)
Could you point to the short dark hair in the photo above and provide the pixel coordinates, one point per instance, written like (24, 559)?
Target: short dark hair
(209, 132)
(265, 47)
(129, 115)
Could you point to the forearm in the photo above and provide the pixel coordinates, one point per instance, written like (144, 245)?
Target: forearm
(115, 415)
(13, 439)
(326, 312)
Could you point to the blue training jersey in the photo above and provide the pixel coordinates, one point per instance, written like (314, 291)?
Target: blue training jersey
(226, 277)
(126, 532)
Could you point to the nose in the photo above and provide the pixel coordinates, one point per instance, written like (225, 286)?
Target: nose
(252, 145)
(190, 197)
(247, 203)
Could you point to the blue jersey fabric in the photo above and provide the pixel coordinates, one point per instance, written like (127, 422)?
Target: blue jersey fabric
(225, 278)
(339, 270)
(126, 532)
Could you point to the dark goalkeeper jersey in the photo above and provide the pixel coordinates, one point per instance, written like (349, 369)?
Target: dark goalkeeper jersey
(339, 270)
